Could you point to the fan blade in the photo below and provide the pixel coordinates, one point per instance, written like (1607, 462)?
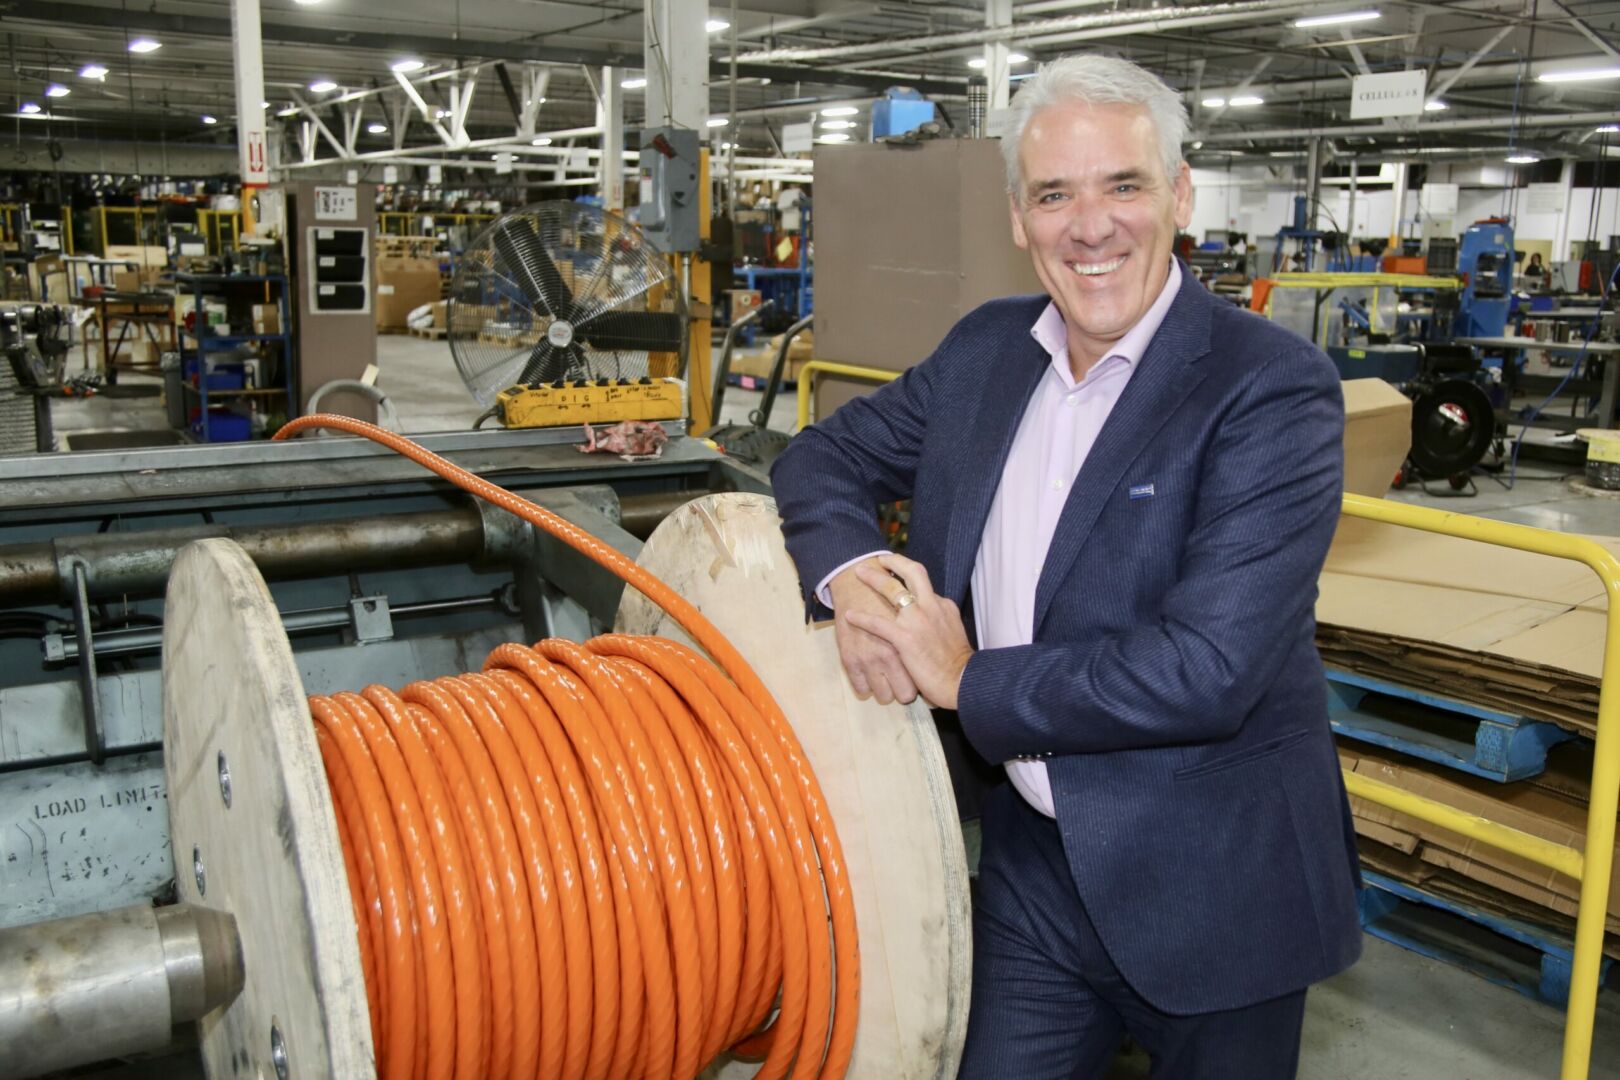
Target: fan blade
(632, 331)
(529, 264)
(546, 364)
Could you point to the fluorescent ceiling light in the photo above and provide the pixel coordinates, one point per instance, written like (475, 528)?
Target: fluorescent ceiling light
(440, 114)
(1017, 58)
(726, 146)
(306, 3)
(1607, 128)
(837, 136)
(291, 110)
(1522, 159)
(406, 66)
(1335, 20)
(209, 120)
(714, 26)
(1246, 101)
(377, 129)
(264, 104)
(544, 140)
(28, 108)
(1589, 75)
(1435, 105)
(93, 71)
(976, 62)
(635, 82)
(837, 125)
(144, 45)
(840, 110)
(322, 86)
(717, 121)
(1213, 102)
(57, 90)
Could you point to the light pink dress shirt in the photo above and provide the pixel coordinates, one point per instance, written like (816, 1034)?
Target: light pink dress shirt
(1059, 428)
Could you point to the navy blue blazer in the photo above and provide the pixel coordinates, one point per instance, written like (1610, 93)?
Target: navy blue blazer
(1173, 675)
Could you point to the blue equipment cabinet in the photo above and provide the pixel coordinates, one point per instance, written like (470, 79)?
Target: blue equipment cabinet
(1486, 258)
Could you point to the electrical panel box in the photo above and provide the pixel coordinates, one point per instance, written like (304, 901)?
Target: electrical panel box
(671, 187)
(339, 270)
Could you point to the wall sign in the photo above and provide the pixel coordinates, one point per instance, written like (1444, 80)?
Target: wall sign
(1394, 93)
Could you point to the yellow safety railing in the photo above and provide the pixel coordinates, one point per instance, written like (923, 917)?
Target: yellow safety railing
(807, 380)
(1591, 867)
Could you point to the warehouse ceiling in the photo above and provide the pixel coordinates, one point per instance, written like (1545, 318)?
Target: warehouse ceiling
(1486, 61)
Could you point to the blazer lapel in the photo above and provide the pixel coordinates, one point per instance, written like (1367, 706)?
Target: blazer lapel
(1006, 394)
(1165, 375)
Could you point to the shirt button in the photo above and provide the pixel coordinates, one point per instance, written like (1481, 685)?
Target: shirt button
(1072, 399)
(1057, 485)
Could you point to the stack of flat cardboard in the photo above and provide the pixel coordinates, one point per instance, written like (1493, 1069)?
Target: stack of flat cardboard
(404, 282)
(1551, 806)
(1506, 629)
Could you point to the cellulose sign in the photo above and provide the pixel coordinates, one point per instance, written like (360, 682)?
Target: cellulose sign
(1394, 93)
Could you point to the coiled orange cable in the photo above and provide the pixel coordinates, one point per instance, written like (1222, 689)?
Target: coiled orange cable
(601, 861)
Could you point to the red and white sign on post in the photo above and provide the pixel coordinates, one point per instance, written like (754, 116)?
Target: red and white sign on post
(248, 51)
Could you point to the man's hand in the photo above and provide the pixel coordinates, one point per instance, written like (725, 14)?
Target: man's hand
(928, 634)
(873, 665)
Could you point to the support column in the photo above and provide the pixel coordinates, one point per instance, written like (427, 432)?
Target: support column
(247, 52)
(676, 47)
(996, 68)
(610, 118)
(1399, 210)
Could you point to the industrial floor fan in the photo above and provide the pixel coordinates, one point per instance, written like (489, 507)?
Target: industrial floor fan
(562, 313)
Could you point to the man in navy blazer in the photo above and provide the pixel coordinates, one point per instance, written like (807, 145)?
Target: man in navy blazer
(1130, 486)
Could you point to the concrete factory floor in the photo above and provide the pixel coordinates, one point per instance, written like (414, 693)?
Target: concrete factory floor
(1395, 1014)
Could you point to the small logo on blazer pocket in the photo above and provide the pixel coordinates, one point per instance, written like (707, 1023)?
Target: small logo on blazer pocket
(1142, 491)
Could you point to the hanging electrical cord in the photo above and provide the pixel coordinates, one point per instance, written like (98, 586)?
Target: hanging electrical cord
(625, 818)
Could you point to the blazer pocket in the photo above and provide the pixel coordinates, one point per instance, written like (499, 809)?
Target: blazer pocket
(1241, 757)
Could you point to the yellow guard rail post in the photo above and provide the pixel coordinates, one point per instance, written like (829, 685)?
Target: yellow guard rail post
(1592, 867)
(807, 380)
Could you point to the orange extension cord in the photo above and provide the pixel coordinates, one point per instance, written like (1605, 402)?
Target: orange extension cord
(606, 860)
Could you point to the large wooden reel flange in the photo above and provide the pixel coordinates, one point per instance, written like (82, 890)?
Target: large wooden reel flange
(253, 827)
(881, 768)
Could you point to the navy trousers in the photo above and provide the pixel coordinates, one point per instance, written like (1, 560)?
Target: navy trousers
(1049, 1003)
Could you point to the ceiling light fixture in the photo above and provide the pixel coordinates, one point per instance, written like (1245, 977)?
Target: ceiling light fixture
(144, 45)
(57, 90)
(377, 129)
(28, 108)
(837, 125)
(1213, 102)
(840, 110)
(209, 120)
(1335, 20)
(976, 62)
(717, 121)
(714, 26)
(1435, 105)
(635, 82)
(1589, 75)
(544, 140)
(406, 66)
(1246, 101)
(1607, 128)
(1017, 58)
(291, 110)
(837, 136)
(1522, 159)
(93, 71)
(322, 86)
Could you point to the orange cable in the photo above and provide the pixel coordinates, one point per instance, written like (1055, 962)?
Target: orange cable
(592, 861)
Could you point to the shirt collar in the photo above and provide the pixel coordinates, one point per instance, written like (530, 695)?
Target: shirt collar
(1052, 334)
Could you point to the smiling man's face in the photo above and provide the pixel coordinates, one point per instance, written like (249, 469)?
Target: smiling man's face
(1098, 216)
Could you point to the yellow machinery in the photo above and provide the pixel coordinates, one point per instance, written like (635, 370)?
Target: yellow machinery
(602, 402)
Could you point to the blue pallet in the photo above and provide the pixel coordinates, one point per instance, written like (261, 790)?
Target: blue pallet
(1382, 898)
(1504, 747)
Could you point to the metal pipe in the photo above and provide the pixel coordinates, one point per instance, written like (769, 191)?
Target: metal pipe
(119, 564)
(641, 514)
(1495, 123)
(91, 987)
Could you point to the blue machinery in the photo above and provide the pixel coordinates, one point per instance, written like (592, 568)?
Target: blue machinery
(1485, 262)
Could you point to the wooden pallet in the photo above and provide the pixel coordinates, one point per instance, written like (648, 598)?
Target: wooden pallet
(430, 333)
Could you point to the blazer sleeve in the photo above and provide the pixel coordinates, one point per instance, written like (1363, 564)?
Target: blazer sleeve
(832, 476)
(1246, 585)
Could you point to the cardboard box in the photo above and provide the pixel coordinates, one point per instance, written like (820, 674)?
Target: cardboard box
(137, 281)
(743, 301)
(758, 363)
(403, 284)
(1377, 435)
(267, 318)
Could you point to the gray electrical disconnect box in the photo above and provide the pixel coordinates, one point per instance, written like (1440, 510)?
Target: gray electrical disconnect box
(670, 198)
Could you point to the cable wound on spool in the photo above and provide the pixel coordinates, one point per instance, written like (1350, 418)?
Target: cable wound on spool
(602, 860)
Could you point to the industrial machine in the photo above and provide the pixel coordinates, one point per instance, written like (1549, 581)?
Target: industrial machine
(1485, 263)
(179, 843)
(558, 314)
(34, 344)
